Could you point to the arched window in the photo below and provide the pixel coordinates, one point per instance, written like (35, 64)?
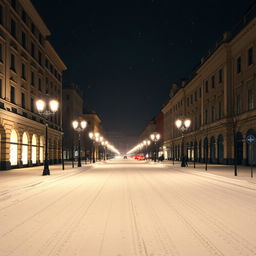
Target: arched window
(34, 149)
(24, 153)
(212, 150)
(14, 148)
(41, 153)
(220, 149)
(239, 147)
(206, 150)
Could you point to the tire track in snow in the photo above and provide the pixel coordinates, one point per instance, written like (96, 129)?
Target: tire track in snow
(62, 241)
(211, 248)
(220, 228)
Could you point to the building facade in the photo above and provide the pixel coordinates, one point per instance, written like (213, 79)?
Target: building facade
(30, 68)
(219, 98)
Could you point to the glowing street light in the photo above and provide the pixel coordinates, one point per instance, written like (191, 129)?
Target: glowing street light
(155, 137)
(79, 126)
(183, 125)
(46, 108)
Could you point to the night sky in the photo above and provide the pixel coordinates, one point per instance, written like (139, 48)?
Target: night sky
(126, 54)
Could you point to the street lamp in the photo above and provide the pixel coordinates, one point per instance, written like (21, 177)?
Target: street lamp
(155, 137)
(183, 125)
(94, 136)
(79, 126)
(146, 144)
(46, 108)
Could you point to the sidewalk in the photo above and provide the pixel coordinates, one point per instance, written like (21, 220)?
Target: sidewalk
(25, 177)
(243, 172)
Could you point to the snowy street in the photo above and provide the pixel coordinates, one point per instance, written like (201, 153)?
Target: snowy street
(127, 208)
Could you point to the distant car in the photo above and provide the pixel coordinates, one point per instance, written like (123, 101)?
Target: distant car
(139, 157)
(125, 157)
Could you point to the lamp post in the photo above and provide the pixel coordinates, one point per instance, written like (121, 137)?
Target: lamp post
(146, 144)
(155, 137)
(79, 126)
(183, 125)
(94, 136)
(46, 108)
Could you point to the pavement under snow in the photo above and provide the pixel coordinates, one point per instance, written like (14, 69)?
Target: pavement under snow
(126, 208)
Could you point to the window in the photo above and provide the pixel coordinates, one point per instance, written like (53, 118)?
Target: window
(32, 78)
(200, 92)
(1, 14)
(250, 56)
(1, 52)
(39, 84)
(24, 39)
(213, 81)
(23, 71)
(238, 65)
(51, 68)
(24, 16)
(32, 50)
(14, 4)
(220, 76)
(13, 28)
(46, 63)
(206, 116)
(33, 28)
(250, 99)
(12, 94)
(40, 38)
(206, 86)
(40, 57)
(13, 63)
(238, 104)
(23, 100)
(32, 105)
(213, 114)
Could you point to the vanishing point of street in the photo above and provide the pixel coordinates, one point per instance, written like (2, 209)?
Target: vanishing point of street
(126, 208)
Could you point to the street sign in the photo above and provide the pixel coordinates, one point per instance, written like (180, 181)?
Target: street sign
(250, 139)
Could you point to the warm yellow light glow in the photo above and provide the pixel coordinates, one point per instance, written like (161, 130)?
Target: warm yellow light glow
(96, 134)
(90, 135)
(41, 153)
(24, 156)
(13, 148)
(34, 149)
(40, 105)
(144, 142)
(178, 123)
(101, 138)
(54, 105)
(152, 136)
(148, 142)
(158, 136)
(187, 123)
(83, 124)
(75, 124)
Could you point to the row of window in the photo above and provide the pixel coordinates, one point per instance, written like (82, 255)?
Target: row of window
(249, 60)
(35, 53)
(32, 76)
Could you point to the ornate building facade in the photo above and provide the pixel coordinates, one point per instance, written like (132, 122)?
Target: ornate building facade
(219, 98)
(30, 68)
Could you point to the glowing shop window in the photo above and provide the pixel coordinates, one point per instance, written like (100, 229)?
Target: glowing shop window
(34, 141)
(24, 148)
(14, 148)
(41, 149)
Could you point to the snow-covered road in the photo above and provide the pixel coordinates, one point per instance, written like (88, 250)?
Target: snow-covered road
(127, 208)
